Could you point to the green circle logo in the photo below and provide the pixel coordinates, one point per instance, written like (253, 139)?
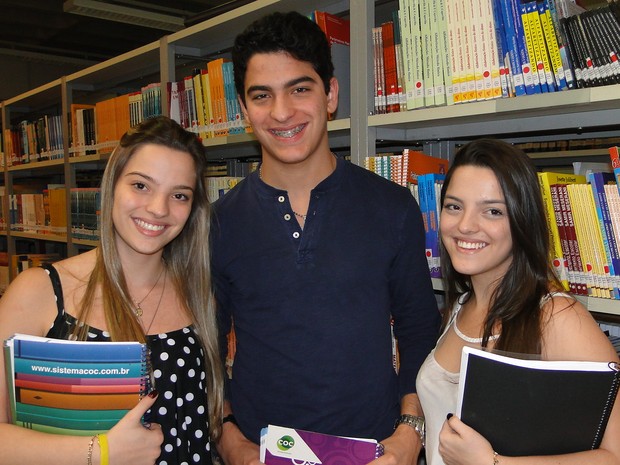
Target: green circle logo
(285, 443)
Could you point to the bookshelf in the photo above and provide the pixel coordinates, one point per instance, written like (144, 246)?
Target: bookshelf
(569, 114)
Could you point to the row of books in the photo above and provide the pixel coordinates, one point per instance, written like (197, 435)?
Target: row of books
(85, 212)
(37, 140)
(206, 102)
(444, 52)
(583, 213)
(98, 128)
(40, 213)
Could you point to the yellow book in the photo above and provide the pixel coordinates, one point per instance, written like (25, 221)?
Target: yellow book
(552, 47)
(584, 249)
(206, 100)
(596, 240)
(530, 46)
(542, 57)
(200, 108)
(558, 260)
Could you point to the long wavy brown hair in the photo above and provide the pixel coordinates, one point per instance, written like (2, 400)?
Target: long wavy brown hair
(516, 303)
(187, 258)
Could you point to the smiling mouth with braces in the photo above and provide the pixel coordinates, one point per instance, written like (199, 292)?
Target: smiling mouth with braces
(289, 133)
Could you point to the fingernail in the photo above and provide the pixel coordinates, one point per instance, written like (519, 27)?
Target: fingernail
(147, 425)
(449, 416)
(153, 393)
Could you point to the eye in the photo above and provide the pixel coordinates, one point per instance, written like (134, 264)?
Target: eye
(139, 186)
(182, 196)
(451, 207)
(496, 212)
(258, 97)
(301, 90)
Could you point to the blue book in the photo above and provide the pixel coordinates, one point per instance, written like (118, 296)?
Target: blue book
(516, 65)
(57, 349)
(597, 183)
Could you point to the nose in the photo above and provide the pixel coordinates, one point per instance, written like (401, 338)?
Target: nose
(158, 205)
(282, 109)
(468, 222)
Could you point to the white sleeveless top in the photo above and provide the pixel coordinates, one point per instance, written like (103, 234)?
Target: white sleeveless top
(438, 388)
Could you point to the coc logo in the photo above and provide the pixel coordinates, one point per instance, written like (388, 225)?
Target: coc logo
(285, 443)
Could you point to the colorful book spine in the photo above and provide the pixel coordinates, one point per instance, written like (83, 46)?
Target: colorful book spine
(551, 42)
(546, 179)
(573, 245)
(428, 185)
(597, 182)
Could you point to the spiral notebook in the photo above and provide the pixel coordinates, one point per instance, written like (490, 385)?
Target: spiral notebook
(73, 387)
(534, 407)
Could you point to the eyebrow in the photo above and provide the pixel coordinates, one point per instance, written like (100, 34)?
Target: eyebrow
(149, 178)
(291, 83)
(484, 202)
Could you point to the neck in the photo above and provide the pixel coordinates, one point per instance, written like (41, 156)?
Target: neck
(297, 178)
(143, 272)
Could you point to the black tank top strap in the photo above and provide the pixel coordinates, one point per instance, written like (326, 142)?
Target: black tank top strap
(56, 330)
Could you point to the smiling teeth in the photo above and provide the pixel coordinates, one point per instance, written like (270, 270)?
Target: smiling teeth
(149, 226)
(289, 133)
(471, 245)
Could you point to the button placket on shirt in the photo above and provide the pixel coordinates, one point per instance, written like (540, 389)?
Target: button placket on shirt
(288, 217)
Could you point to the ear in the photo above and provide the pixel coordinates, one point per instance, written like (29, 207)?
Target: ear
(243, 109)
(332, 96)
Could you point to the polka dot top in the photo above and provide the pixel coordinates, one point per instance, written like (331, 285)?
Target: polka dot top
(177, 360)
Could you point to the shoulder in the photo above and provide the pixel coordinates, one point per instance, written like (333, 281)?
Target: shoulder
(28, 305)
(571, 333)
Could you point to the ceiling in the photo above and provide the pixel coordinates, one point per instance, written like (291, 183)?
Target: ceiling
(32, 30)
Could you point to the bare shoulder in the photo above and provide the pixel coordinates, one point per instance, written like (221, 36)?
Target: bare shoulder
(28, 305)
(571, 333)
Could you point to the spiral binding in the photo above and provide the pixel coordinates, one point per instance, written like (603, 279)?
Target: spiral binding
(609, 403)
(147, 381)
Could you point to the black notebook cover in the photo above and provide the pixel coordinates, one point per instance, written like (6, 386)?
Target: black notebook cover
(534, 407)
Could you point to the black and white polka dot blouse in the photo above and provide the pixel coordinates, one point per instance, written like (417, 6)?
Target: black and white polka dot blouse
(177, 361)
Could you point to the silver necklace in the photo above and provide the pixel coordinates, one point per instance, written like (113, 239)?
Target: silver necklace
(471, 340)
(260, 176)
(138, 310)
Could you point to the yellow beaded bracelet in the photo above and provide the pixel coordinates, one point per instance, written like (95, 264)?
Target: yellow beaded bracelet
(105, 453)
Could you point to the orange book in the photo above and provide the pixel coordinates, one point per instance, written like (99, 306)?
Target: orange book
(121, 109)
(79, 401)
(218, 96)
(419, 163)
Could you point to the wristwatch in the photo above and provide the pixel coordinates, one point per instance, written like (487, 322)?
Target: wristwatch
(417, 423)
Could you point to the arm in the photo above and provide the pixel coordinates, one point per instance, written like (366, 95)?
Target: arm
(28, 307)
(233, 446)
(404, 446)
(570, 333)
(416, 325)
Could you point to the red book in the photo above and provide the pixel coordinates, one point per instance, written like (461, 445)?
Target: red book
(390, 68)
(336, 29)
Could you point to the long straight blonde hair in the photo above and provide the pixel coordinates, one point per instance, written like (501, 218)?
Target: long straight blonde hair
(186, 256)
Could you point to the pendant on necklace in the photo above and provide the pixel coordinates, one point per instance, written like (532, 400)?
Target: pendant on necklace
(138, 311)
